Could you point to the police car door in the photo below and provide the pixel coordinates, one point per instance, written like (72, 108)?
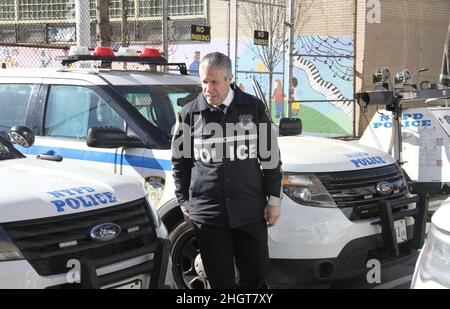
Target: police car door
(17, 102)
(71, 108)
(157, 166)
(158, 104)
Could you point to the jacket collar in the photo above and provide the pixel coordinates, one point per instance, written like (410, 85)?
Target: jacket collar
(200, 103)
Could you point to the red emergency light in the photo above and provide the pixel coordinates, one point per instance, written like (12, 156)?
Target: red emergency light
(103, 51)
(150, 52)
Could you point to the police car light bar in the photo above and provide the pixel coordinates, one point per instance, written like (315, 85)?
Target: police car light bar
(106, 55)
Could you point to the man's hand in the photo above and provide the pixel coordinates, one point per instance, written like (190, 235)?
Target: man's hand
(186, 218)
(185, 210)
(271, 214)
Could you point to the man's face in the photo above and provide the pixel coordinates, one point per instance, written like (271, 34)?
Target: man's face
(215, 85)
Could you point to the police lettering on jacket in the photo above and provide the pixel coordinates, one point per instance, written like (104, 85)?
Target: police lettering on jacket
(213, 142)
(238, 142)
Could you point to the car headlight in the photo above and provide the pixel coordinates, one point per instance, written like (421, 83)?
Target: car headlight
(307, 189)
(8, 251)
(435, 262)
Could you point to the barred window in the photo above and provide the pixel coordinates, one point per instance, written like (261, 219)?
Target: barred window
(150, 8)
(115, 8)
(65, 9)
(46, 10)
(7, 10)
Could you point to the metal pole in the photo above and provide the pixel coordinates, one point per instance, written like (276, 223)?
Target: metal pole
(355, 23)
(291, 53)
(82, 22)
(165, 30)
(284, 63)
(397, 114)
(236, 42)
(228, 26)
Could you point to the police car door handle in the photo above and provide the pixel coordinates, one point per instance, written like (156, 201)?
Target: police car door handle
(55, 158)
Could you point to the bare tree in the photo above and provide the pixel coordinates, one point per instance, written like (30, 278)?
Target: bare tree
(104, 31)
(125, 33)
(271, 16)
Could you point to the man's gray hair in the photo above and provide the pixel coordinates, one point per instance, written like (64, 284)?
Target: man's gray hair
(217, 61)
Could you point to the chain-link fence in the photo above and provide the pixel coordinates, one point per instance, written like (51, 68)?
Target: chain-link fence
(34, 32)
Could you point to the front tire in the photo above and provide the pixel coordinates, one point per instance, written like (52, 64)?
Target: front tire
(185, 253)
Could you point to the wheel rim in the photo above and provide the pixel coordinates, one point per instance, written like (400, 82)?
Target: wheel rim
(185, 265)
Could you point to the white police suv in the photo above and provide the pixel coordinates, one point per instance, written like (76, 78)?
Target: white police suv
(343, 204)
(61, 227)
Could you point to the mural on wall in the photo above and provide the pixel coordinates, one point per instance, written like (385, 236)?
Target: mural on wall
(323, 67)
(29, 57)
(323, 72)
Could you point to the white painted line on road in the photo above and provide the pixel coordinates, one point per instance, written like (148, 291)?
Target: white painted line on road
(394, 283)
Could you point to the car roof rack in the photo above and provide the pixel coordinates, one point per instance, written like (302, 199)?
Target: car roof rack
(152, 61)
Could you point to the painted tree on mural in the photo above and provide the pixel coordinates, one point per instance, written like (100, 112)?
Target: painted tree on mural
(271, 16)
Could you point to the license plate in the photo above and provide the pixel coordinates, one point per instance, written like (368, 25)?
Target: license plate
(400, 230)
(134, 285)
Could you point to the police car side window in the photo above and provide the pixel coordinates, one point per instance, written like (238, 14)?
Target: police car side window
(72, 110)
(14, 100)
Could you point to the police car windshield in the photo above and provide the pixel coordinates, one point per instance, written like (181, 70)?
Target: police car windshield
(159, 104)
(6, 151)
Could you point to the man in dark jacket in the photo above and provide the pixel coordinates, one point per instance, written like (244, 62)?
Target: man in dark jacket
(227, 172)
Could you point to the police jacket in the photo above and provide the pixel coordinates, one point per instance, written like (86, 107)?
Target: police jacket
(226, 164)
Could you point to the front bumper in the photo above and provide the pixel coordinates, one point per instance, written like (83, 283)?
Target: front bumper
(351, 261)
(149, 269)
(327, 248)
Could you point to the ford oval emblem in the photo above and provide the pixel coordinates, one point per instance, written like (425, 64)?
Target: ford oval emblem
(105, 232)
(384, 188)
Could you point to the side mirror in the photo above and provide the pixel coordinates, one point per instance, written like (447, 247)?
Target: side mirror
(290, 126)
(183, 101)
(111, 137)
(22, 136)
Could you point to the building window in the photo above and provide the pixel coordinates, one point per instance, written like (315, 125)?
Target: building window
(46, 10)
(115, 8)
(7, 10)
(151, 8)
(65, 9)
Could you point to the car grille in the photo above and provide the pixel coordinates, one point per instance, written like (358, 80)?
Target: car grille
(355, 191)
(40, 240)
